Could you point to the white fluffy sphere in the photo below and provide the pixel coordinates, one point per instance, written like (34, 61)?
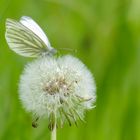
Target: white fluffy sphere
(62, 87)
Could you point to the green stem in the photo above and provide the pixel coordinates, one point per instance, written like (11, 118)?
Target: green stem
(53, 132)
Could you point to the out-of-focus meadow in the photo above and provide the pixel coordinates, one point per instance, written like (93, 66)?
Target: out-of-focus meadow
(106, 35)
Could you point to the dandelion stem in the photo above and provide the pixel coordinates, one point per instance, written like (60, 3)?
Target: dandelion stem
(53, 132)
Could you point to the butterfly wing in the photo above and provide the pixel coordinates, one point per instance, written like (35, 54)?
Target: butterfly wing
(33, 26)
(23, 40)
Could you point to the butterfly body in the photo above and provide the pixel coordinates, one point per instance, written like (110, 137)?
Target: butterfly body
(26, 38)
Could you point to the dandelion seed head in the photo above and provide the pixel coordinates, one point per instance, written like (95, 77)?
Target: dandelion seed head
(62, 86)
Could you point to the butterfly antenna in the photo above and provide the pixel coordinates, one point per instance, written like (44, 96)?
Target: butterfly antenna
(68, 49)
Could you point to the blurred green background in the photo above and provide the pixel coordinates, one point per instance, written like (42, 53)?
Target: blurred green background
(106, 35)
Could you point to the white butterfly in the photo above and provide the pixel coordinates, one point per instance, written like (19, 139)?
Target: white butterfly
(27, 38)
